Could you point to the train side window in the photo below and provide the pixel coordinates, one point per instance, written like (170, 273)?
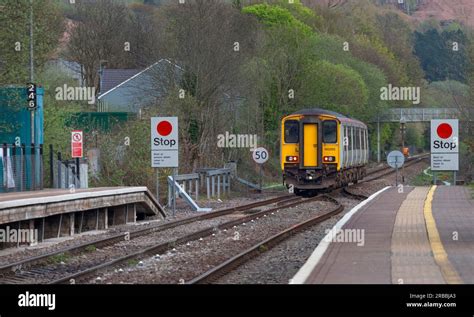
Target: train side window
(356, 137)
(350, 130)
(363, 139)
(330, 131)
(359, 132)
(292, 131)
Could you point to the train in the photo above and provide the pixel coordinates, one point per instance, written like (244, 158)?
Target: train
(322, 149)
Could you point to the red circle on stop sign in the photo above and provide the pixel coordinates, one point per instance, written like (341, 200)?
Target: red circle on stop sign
(444, 130)
(164, 128)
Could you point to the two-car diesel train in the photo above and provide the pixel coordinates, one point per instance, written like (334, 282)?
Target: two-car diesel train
(322, 149)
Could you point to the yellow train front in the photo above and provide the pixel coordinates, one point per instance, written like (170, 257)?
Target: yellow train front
(322, 149)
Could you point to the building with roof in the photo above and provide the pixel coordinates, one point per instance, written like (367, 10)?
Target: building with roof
(130, 90)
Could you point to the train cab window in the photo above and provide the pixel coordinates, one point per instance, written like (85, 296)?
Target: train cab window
(330, 131)
(292, 131)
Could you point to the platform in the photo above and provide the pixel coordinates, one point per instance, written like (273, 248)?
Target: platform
(59, 212)
(422, 235)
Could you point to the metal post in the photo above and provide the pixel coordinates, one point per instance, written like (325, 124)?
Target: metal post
(218, 186)
(60, 180)
(78, 172)
(13, 164)
(157, 185)
(207, 187)
(33, 166)
(197, 189)
(261, 177)
(396, 176)
(67, 175)
(454, 177)
(22, 167)
(224, 185)
(378, 140)
(174, 192)
(32, 71)
(213, 185)
(435, 180)
(169, 195)
(51, 164)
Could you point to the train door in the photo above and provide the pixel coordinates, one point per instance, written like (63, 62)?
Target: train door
(310, 144)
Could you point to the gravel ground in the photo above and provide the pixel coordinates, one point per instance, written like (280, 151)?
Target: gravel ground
(68, 264)
(187, 262)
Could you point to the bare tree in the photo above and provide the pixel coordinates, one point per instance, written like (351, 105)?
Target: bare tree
(99, 36)
(210, 40)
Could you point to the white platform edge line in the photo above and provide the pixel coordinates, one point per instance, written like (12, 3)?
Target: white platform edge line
(59, 198)
(304, 272)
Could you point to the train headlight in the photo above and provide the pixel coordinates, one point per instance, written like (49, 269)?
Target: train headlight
(329, 159)
(292, 159)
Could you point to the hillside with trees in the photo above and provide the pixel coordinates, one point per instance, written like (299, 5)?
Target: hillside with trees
(245, 63)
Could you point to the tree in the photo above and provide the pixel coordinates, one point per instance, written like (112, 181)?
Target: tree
(14, 36)
(211, 41)
(442, 55)
(101, 35)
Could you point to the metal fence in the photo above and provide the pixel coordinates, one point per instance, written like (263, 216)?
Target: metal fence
(21, 167)
(69, 174)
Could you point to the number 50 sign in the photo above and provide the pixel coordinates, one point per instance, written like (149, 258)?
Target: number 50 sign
(260, 155)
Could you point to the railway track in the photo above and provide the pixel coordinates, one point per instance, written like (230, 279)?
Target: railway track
(8, 272)
(387, 170)
(231, 264)
(42, 273)
(163, 247)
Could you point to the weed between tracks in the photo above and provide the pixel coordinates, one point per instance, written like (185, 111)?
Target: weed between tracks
(90, 248)
(61, 257)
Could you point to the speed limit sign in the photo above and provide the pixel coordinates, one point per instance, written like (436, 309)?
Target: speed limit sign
(260, 155)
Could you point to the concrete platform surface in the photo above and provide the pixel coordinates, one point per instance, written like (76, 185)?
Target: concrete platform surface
(422, 235)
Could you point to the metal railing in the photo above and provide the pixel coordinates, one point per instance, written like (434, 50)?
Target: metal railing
(21, 167)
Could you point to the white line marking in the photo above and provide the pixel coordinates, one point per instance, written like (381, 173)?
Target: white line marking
(302, 275)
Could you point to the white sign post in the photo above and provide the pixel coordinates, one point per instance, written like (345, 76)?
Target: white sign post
(165, 149)
(260, 155)
(395, 159)
(445, 146)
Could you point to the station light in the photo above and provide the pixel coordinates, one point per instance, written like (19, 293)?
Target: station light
(292, 159)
